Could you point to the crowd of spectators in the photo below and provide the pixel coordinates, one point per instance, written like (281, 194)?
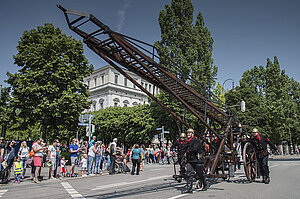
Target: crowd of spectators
(92, 158)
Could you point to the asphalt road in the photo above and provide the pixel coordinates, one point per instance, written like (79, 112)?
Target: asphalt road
(156, 182)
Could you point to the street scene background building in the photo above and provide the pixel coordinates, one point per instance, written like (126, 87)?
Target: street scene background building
(108, 88)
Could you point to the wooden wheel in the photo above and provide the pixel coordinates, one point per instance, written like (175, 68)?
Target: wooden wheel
(250, 162)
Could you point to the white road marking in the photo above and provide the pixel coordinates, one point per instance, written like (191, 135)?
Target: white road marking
(182, 195)
(71, 190)
(2, 192)
(127, 183)
(276, 165)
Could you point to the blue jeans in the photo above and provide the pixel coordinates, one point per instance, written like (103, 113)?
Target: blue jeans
(56, 167)
(23, 160)
(91, 162)
(17, 177)
(98, 163)
(108, 162)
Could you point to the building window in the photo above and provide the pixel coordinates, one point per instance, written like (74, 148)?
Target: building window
(153, 90)
(142, 84)
(116, 79)
(94, 105)
(146, 86)
(125, 102)
(95, 81)
(116, 101)
(125, 81)
(150, 87)
(88, 83)
(134, 103)
(102, 79)
(101, 102)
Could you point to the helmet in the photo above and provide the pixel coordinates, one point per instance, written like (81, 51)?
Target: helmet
(255, 130)
(190, 130)
(182, 135)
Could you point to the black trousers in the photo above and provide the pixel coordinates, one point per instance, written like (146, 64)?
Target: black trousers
(193, 168)
(263, 166)
(181, 162)
(136, 163)
(112, 165)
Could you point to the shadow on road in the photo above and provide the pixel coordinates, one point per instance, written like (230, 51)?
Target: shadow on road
(284, 159)
(138, 191)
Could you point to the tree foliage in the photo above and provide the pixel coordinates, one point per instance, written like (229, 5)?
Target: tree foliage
(272, 101)
(130, 125)
(49, 88)
(186, 44)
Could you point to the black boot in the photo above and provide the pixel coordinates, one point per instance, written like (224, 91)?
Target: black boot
(267, 180)
(204, 185)
(264, 179)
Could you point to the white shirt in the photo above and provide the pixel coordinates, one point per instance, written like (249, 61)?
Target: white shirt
(24, 152)
(84, 162)
(91, 152)
(52, 152)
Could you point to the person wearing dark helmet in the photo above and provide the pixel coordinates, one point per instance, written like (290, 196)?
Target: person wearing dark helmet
(180, 146)
(260, 143)
(194, 162)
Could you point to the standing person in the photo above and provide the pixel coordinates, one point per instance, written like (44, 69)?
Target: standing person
(58, 151)
(9, 158)
(260, 143)
(112, 154)
(2, 151)
(83, 148)
(52, 158)
(84, 165)
(162, 155)
(179, 147)
(136, 159)
(18, 168)
(98, 158)
(38, 158)
(143, 153)
(24, 154)
(91, 157)
(73, 150)
(151, 154)
(63, 163)
(194, 164)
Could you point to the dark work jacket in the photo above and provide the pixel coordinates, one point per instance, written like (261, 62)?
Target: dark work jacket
(180, 146)
(194, 147)
(260, 143)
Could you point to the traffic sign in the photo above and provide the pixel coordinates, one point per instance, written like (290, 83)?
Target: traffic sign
(83, 124)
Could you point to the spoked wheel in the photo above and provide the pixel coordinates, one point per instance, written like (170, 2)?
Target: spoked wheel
(250, 162)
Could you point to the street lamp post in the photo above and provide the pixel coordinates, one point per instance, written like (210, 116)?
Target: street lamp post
(162, 135)
(224, 84)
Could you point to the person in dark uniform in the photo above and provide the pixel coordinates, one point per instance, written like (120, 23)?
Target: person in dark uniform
(194, 163)
(260, 143)
(180, 146)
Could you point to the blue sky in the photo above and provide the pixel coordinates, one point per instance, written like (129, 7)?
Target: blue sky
(245, 33)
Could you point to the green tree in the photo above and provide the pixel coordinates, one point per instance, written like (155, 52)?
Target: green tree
(272, 101)
(130, 125)
(49, 88)
(186, 44)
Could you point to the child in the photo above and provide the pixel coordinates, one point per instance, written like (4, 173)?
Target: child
(62, 166)
(18, 169)
(84, 165)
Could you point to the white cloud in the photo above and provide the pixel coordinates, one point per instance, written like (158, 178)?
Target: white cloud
(121, 14)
